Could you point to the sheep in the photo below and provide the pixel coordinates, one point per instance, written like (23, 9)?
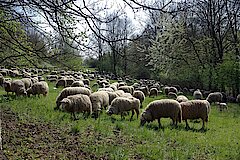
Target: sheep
(153, 92)
(76, 104)
(7, 86)
(222, 106)
(114, 87)
(27, 83)
(86, 82)
(18, 87)
(197, 94)
(195, 109)
(108, 89)
(69, 81)
(70, 91)
(172, 95)
(1, 79)
(128, 89)
(238, 98)
(39, 88)
(61, 82)
(77, 84)
(120, 105)
(173, 89)
(100, 100)
(163, 108)
(139, 95)
(119, 92)
(144, 90)
(182, 98)
(112, 96)
(214, 97)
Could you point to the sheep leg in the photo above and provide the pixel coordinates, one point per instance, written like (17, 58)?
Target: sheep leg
(203, 125)
(187, 126)
(159, 123)
(132, 115)
(137, 112)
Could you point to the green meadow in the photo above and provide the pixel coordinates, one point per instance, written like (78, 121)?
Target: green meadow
(113, 138)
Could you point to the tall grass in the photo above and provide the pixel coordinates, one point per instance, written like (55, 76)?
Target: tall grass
(122, 139)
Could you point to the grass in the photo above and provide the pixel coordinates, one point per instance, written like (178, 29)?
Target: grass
(121, 139)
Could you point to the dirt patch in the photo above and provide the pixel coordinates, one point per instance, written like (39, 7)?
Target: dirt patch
(39, 141)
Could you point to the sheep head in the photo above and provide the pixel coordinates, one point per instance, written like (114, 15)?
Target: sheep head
(65, 103)
(145, 117)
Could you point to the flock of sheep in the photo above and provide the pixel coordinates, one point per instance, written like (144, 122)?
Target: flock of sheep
(116, 98)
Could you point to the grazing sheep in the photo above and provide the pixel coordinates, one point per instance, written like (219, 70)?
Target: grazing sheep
(121, 104)
(197, 94)
(114, 87)
(100, 100)
(153, 92)
(112, 96)
(77, 84)
(163, 108)
(144, 90)
(222, 106)
(61, 82)
(38, 88)
(1, 79)
(119, 92)
(70, 91)
(214, 97)
(7, 86)
(18, 87)
(76, 104)
(166, 90)
(127, 89)
(182, 98)
(69, 82)
(173, 89)
(172, 95)
(126, 95)
(195, 109)
(27, 83)
(238, 98)
(139, 95)
(108, 89)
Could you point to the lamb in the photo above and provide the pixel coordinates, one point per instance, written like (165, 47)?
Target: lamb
(121, 104)
(163, 108)
(182, 98)
(39, 88)
(18, 87)
(139, 95)
(70, 91)
(153, 92)
(197, 94)
(214, 97)
(76, 104)
(77, 84)
(195, 109)
(99, 99)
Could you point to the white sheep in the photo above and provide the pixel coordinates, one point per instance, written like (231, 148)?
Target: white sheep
(38, 88)
(120, 105)
(172, 95)
(197, 94)
(222, 106)
(78, 83)
(119, 92)
(61, 82)
(153, 92)
(214, 97)
(18, 87)
(71, 91)
(108, 89)
(182, 98)
(127, 89)
(27, 83)
(112, 96)
(100, 100)
(163, 108)
(76, 104)
(195, 109)
(139, 95)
